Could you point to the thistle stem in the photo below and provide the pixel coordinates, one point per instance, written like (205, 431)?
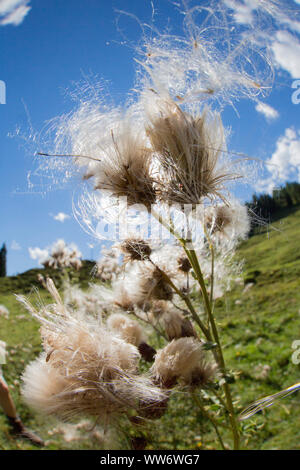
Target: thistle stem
(221, 360)
(209, 417)
(212, 274)
(189, 304)
(191, 254)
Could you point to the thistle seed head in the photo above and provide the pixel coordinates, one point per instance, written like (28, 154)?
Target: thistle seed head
(182, 360)
(188, 149)
(136, 249)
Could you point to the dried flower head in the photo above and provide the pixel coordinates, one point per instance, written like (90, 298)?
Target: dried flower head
(84, 302)
(176, 325)
(130, 330)
(125, 293)
(184, 264)
(135, 249)
(85, 368)
(188, 149)
(161, 290)
(62, 256)
(158, 308)
(230, 221)
(182, 360)
(108, 266)
(124, 168)
(217, 222)
(142, 283)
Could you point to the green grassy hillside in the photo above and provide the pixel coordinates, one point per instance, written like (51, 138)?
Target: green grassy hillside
(258, 326)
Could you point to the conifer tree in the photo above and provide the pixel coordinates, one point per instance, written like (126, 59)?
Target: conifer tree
(3, 252)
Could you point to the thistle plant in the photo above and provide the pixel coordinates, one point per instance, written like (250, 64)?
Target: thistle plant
(62, 256)
(165, 155)
(154, 286)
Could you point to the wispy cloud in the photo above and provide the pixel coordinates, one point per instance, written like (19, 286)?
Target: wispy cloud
(285, 45)
(286, 50)
(284, 164)
(15, 246)
(267, 110)
(242, 11)
(39, 254)
(61, 217)
(6, 6)
(13, 11)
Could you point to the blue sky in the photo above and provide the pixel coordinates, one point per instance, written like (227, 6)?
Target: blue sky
(48, 45)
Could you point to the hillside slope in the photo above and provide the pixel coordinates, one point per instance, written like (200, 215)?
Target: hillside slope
(258, 326)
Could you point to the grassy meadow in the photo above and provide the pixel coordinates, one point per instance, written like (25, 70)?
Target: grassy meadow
(258, 320)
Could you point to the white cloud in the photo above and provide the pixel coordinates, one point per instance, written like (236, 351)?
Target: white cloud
(39, 254)
(284, 164)
(15, 246)
(267, 110)
(61, 217)
(13, 11)
(286, 50)
(242, 10)
(246, 11)
(7, 6)
(285, 46)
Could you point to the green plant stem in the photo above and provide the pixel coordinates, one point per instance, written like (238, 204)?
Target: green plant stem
(221, 360)
(157, 331)
(212, 274)
(209, 417)
(220, 399)
(191, 254)
(189, 304)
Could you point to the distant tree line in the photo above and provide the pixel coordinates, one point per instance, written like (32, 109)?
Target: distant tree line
(267, 207)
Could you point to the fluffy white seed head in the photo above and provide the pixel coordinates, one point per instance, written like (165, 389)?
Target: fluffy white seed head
(176, 325)
(188, 150)
(91, 370)
(182, 360)
(84, 302)
(62, 256)
(130, 330)
(108, 267)
(140, 284)
(121, 158)
(230, 221)
(44, 388)
(135, 249)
